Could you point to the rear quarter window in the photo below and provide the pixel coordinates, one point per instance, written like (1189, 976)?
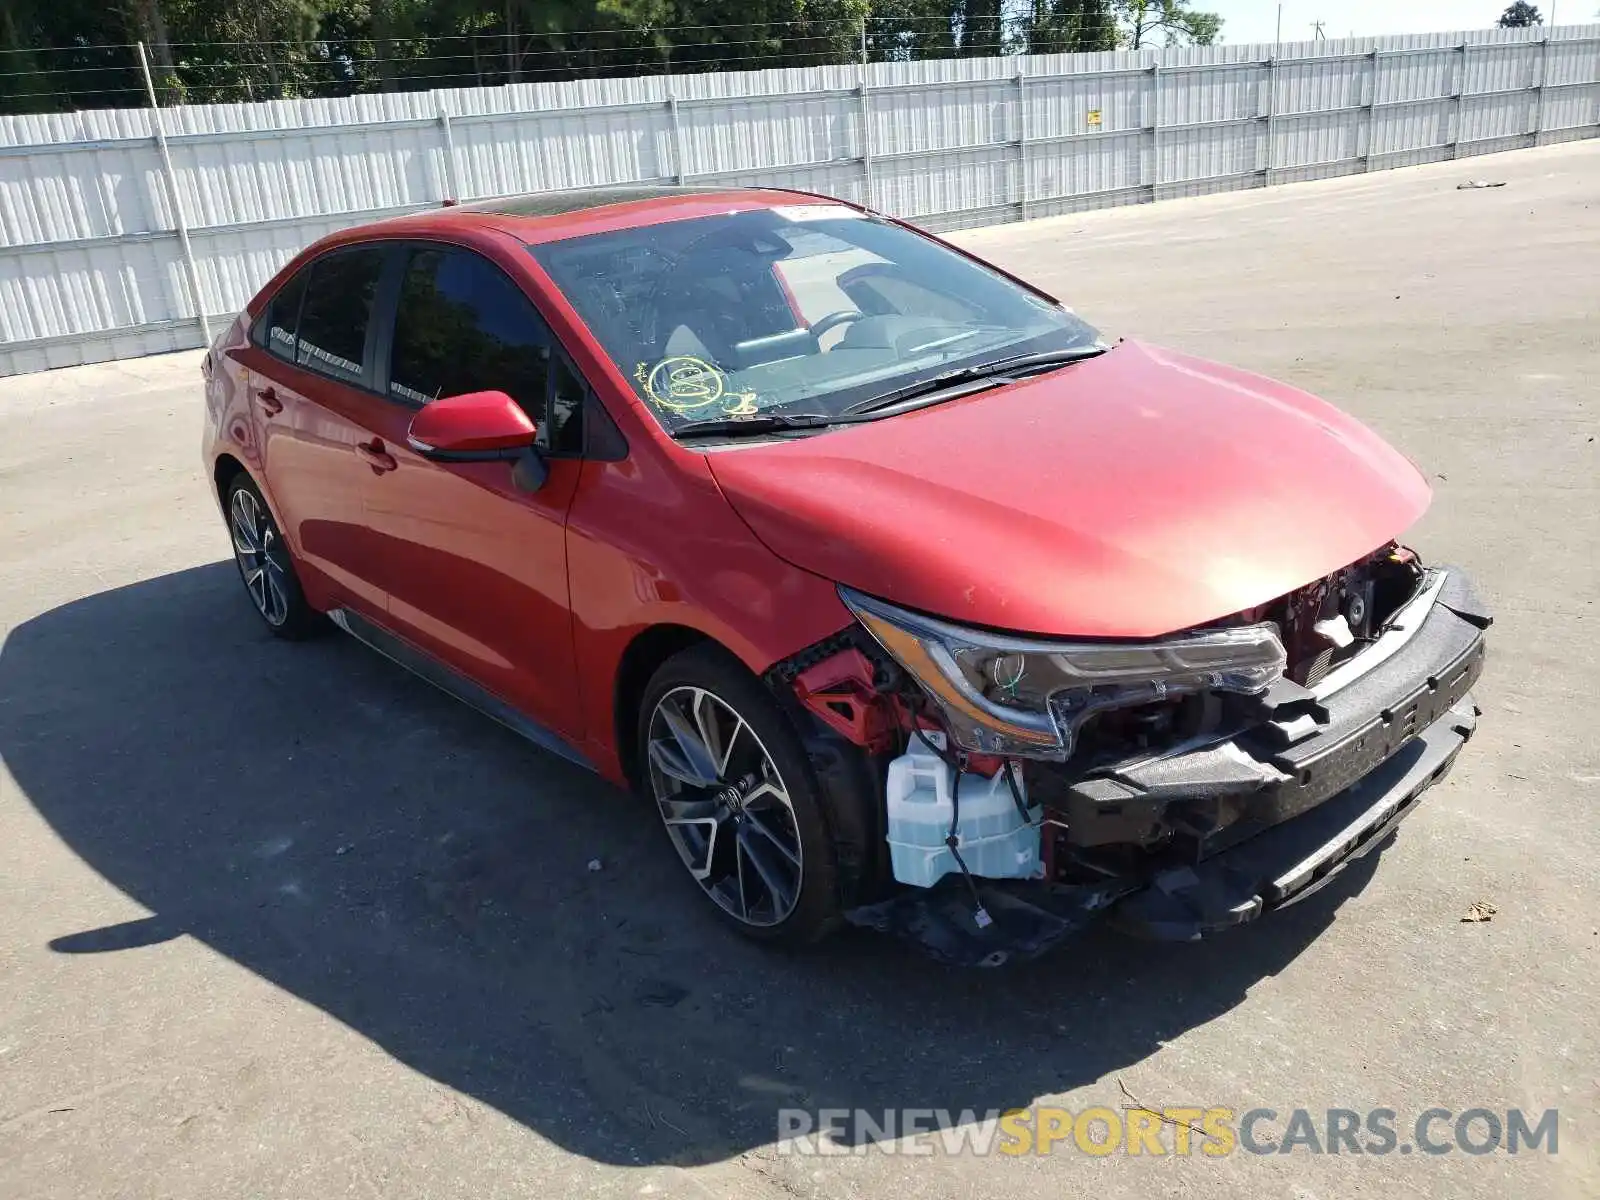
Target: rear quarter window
(332, 335)
(275, 329)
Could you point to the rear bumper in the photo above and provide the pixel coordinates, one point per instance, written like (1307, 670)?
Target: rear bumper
(1290, 861)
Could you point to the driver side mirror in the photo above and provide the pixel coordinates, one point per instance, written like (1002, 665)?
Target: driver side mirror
(479, 427)
(471, 427)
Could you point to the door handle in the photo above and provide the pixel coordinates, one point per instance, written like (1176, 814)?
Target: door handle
(268, 399)
(379, 459)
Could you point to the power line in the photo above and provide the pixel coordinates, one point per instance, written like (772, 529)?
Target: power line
(95, 46)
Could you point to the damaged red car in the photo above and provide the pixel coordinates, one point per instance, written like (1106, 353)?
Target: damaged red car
(903, 596)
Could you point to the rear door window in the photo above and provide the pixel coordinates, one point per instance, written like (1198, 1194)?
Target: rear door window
(332, 335)
(461, 325)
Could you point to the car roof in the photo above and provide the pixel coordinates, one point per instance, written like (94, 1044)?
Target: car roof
(551, 216)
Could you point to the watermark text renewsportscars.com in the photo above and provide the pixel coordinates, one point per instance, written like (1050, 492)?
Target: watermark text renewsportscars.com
(1183, 1130)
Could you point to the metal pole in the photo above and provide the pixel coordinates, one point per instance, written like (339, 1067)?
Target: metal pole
(1022, 142)
(863, 41)
(866, 137)
(1155, 130)
(1368, 118)
(1544, 79)
(677, 133)
(177, 199)
(452, 181)
(1278, 36)
(1272, 108)
(1461, 84)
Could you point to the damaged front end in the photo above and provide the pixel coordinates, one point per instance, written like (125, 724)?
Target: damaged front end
(1179, 786)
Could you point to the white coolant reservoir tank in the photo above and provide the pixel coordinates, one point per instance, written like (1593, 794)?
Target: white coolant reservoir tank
(995, 842)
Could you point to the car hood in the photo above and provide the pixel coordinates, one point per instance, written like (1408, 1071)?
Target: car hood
(1129, 495)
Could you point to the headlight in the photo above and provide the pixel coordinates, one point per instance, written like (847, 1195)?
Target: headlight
(1028, 697)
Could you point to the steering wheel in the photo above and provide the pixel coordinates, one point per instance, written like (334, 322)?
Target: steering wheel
(833, 320)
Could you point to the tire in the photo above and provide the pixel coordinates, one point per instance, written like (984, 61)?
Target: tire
(265, 566)
(711, 693)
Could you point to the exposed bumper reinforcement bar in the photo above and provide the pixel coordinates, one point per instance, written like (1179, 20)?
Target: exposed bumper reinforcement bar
(1290, 861)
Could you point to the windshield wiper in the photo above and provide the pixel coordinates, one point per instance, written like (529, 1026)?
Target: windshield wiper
(758, 423)
(1000, 370)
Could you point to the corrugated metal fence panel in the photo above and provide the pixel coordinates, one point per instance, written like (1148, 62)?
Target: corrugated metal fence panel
(504, 154)
(58, 194)
(91, 267)
(1104, 164)
(956, 182)
(1305, 87)
(1575, 109)
(1502, 115)
(1312, 139)
(1571, 62)
(1426, 75)
(1191, 94)
(906, 121)
(760, 134)
(230, 181)
(1412, 126)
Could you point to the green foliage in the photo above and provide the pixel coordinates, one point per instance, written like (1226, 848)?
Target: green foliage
(1520, 15)
(1173, 22)
(73, 54)
(1069, 26)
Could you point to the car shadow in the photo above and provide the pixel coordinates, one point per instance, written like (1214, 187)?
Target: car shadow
(506, 924)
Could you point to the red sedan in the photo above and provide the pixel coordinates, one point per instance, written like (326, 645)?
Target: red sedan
(900, 593)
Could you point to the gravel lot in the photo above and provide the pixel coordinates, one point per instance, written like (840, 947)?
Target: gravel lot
(282, 921)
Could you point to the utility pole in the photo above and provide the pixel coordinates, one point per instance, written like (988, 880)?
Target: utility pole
(179, 221)
(1278, 36)
(1316, 31)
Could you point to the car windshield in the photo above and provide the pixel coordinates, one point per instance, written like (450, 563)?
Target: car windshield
(802, 310)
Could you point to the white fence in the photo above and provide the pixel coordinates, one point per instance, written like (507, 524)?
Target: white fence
(98, 262)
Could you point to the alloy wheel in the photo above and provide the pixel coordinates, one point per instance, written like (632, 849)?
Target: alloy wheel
(259, 550)
(725, 806)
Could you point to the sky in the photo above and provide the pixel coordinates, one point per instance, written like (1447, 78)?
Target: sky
(1256, 20)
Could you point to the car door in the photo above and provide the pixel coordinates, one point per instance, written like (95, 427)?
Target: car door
(474, 566)
(311, 386)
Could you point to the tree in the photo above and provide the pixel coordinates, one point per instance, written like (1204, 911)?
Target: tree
(1520, 15)
(1070, 26)
(1175, 20)
(148, 24)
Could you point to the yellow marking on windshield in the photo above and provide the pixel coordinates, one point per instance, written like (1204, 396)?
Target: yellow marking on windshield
(683, 383)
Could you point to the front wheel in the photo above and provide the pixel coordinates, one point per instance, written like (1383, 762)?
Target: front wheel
(738, 801)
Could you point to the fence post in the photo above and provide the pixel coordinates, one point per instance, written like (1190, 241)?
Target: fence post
(680, 168)
(452, 181)
(1022, 142)
(1272, 109)
(1370, 115)
(866, 139)
(1155, 129)
(1461, 86)
(176, 197)
(1544, 81)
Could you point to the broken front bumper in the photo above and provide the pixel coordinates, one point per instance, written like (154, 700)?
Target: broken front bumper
(1290, 861)
(1270, 815)
(1321, 780)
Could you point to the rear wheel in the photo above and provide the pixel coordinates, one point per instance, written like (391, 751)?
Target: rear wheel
(264, 563)
(740, 806)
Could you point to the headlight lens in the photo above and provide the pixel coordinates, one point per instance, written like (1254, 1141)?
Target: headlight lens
(1027, 697)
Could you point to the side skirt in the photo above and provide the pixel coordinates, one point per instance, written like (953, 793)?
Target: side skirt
(453, 683)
